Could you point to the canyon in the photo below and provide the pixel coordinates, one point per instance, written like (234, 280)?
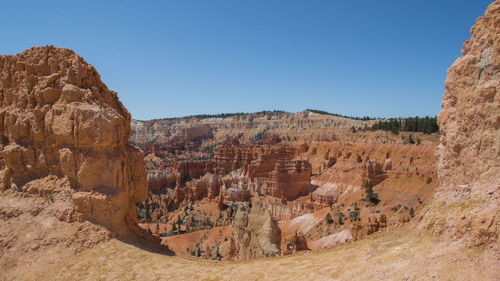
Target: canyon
(326, 179)
(85, 191)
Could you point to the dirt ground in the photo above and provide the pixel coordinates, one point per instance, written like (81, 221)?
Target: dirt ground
(400, 254)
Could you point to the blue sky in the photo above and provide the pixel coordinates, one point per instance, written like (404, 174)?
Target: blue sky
(175, 58)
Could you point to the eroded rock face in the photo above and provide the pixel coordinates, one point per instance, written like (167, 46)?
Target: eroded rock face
(257, 232)
(289, 179)
(58, 119)
(470, 120)
(467, 206)
(375, 223)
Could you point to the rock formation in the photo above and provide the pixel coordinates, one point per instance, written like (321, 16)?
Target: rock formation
(375, 223)
(257, 232)
(160, 180)
(288, 180)
(469, 122)
(470, 112)
(406, 178)
(467, 204)
(238, 192)
(297, 242)
(60, 122)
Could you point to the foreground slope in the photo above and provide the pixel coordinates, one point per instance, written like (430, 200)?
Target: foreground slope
(403, 254)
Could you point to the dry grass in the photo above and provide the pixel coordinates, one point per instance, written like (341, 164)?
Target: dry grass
(400, 254)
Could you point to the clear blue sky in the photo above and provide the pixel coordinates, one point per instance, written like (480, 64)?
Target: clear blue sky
(176, 58)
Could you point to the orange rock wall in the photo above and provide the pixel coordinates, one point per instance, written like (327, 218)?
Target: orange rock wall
(59, 119)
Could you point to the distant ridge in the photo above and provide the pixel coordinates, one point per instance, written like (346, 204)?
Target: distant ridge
(340, 115)
(317, 111)
(231, 114)
(219, 115)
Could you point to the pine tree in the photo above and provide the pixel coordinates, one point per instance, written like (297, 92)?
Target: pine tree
(328, 218)
(370, 195)
(411, 140)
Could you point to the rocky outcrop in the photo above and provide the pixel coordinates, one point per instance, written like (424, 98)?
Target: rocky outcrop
(469, 122)
(322, 197)
(289, 210)
(296, 243)
(59, 121)
(288, 180)
(257, 232)
(373, 171)
(467, 204)
(158, 181)
(270, 174)
(185, 170)
(375, 223)
(236, 193)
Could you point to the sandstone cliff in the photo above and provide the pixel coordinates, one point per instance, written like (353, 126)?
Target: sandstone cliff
(176, 133)
(64, 147)
(257, 232)
(468, 202)
(470, 119)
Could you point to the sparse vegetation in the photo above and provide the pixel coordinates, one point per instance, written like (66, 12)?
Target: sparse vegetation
(209, 149)
(396, 208)
(340, 216)
(49, 198)
(354, 215)
(258, 136)
(370, 195)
